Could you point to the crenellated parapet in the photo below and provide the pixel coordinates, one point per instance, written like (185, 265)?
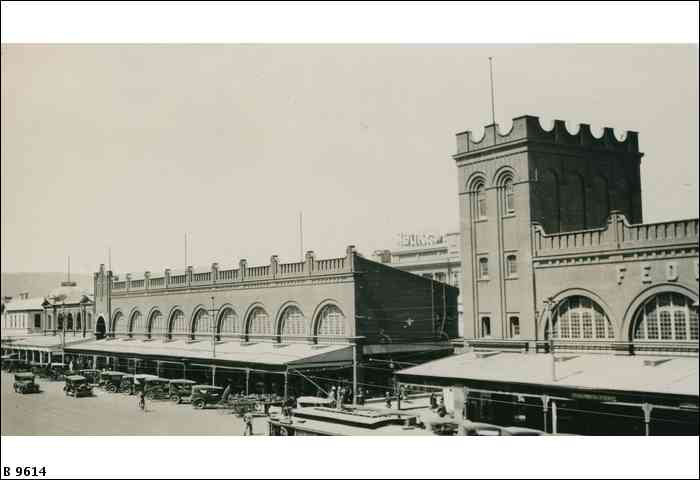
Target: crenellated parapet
(216, 275)
(617, 234)
(527, 128)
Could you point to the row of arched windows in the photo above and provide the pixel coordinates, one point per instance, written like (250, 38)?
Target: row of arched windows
(664, 317)
(330, 322)
(506, 192)
(69, 322)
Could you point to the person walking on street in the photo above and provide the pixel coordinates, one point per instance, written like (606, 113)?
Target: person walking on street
(248, 421)
(142, 400)
(388, 400)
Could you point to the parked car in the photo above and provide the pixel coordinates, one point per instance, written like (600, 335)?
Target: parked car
(111, 380)
(180, 389)
(77, 386)
(24, 383)
(134, 383)
(203, 395)
(8, 359)
(157, 388)
(92, 375)
(57, 371)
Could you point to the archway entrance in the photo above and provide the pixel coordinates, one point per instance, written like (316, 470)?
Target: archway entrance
(100, 328)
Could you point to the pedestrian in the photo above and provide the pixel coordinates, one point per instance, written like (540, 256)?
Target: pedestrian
(142, 400)
(248, 421)
(433, 401)
(360, 397)
(388, 400)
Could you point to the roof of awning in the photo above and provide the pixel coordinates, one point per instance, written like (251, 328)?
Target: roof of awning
(293, 354)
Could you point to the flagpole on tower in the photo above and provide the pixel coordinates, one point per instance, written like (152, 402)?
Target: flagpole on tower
(493, 103)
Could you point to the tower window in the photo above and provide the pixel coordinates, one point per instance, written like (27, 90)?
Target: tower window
(514, 327)
(511, 266)
(481, 209)
(485, 327)
(483, 268)
(508, 196)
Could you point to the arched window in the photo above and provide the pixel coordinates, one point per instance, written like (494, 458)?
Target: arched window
(483, 268)
(119, 323)
(259, 322)
(480, 195)
(78, 322)
(136, 324)
(201, 325)
(511, 266)
(331, 322)
(156, 324)
(580, 318)
(49, 324)
(293, 323)
(508, 196)
(69, 325)
(666, 317)
(178, 324)
(229, 323)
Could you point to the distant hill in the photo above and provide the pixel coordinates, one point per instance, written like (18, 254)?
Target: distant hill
(39, 284)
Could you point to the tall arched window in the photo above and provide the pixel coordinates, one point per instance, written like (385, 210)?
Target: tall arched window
(483, 268)
(156, 324)
(580, 318)
(136, 324)
(666, 317)
(480, 198)
(331, 322)
(201, 325)
(259, 322)
(293, 323)
(511, 266)
(119, 324)
(229, 322)
(508, 196)
(178, 324)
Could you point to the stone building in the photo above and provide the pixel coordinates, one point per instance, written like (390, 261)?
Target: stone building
(270, 319)
(22, 316)
(551, 230)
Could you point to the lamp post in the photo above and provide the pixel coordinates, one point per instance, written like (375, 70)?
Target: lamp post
(213, 328)
(63, 332)
(550, 327)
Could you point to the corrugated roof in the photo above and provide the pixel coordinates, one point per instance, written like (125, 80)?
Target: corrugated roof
(677, 375)
(260, 352)
(18, 305)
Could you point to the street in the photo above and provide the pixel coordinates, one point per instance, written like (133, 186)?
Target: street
(51, 412)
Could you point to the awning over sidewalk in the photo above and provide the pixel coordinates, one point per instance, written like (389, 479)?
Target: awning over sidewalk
(298, 355)
(640, 374)
(45, 343)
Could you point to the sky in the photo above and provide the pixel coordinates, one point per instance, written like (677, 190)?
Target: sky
(131, 147)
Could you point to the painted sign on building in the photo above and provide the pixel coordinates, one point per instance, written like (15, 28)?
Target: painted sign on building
(416, 240)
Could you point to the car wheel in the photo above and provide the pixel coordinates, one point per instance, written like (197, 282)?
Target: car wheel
(175, 399)
(199, 404)
(111, 388)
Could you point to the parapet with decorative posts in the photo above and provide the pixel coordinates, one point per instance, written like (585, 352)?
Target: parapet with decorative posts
(618, 234)
(527, 128)
(215, 275)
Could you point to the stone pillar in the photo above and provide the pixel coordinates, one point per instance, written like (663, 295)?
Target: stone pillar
(274, 265)
(350, 254)
(188, 275)
(214, 272)
(243, 267)
(166, 278)
(309, 262)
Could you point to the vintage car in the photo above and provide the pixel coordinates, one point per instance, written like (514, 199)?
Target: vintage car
(8, 359)
(77, 386)
(15, 365)
(132, 384)
(24, 383)
(57, 371)
(180, 389)
(111, 380)
(92, 375)
(157, 388)
(203, 395)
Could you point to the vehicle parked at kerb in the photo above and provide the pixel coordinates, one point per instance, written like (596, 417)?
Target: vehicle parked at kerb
(77, 386)
(24, 383)
(203, 395)
(12, 365)
(132, 384)
(111, 380)
(156, 388)
(92, 375)
(487, 429)
(57, 371)
(180, 390)
(6, 360)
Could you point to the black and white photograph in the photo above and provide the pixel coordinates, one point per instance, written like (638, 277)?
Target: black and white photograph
(212, 240)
